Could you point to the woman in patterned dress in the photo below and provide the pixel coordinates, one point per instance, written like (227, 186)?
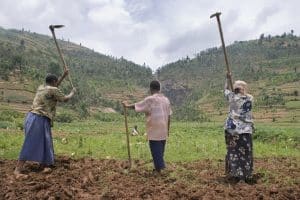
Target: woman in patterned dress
(238, 132)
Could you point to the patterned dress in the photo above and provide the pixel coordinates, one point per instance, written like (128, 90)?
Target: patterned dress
(238, 136)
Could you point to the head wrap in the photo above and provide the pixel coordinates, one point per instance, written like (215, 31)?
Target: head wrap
(239, 84)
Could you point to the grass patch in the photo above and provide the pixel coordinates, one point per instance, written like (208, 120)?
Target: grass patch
(10, 115)
(188, 141)
(292, 105)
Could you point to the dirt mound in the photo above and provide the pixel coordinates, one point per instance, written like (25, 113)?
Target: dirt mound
(275, 178)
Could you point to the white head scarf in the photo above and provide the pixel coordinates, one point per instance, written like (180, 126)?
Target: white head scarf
(242, 84)
(239, 84)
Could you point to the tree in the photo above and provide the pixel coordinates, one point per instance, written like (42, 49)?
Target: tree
(261, 38)
(283, 35)
(22, 45)
(54, 68)
(5, 67)
(18, 61)
(82, 108)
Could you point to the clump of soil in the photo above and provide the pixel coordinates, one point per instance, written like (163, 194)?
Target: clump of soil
(274, 178)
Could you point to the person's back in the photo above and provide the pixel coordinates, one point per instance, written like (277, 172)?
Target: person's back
(45, 100)
(157, 109)
(238, 133)
(239, 118)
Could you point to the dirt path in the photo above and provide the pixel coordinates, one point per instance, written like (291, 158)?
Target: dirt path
(277, 178)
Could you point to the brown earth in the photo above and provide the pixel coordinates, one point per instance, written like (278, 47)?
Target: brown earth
(274, 178)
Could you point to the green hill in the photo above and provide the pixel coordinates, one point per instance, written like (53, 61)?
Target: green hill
(269, 64)
(25, 59)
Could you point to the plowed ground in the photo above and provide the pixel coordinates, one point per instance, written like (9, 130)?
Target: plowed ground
(86, 178)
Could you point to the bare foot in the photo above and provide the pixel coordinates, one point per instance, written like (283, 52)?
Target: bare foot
(47, 170)
(19, 175)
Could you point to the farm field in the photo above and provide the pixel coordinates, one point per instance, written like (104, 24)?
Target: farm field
(112, 59)
(92, 163)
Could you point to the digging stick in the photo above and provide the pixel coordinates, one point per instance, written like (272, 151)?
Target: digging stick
(52, 29)
(217, 15)
(127, 136)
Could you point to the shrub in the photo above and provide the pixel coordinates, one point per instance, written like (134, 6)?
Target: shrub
(293, 104)
(188, 112)
(20, 124)
(108, 117)
(82, 109)
(10, 115)
(64, 117)
(5, 124)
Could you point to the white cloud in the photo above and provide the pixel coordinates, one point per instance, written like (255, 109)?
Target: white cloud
(109, 14)
(152, 31)
(265, 14)
(98, 2)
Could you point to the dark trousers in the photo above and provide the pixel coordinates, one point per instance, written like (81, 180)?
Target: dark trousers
(157, 151)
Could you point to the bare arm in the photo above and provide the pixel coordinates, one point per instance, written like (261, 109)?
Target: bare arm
(69, 96)
(127, 105)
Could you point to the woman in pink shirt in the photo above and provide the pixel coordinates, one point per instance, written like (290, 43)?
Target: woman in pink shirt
(157, 110)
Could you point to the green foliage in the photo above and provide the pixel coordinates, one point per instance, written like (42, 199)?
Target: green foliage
(93, 73)
(189, 112)
(20, 124)
(108, 117)
(187, 141)
(54, 68)
(17, 98)
(278, 134)
(5, 124)
(272, 60)
(296, 93)
(283, 78)
(103, 80)
(293, 105)
(82, 109)
(5, 67)
(10, 115)
(275, 98)
(11, 119)
(64, 117)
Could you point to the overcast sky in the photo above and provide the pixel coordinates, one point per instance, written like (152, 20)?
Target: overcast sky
(156, 32)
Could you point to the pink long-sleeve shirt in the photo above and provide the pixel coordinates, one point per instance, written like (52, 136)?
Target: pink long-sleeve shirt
(157, 110)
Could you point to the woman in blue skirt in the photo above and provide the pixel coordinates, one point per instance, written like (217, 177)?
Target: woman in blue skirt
(38, 145)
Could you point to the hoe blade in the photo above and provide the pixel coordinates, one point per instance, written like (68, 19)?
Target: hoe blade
(52, 27)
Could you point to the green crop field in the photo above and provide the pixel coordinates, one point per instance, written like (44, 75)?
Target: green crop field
(293, 105)
(188, 141)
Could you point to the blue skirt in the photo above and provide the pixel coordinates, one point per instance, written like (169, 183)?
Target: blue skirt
(38, 144)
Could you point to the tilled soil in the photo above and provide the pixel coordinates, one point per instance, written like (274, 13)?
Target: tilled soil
(274, 178)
